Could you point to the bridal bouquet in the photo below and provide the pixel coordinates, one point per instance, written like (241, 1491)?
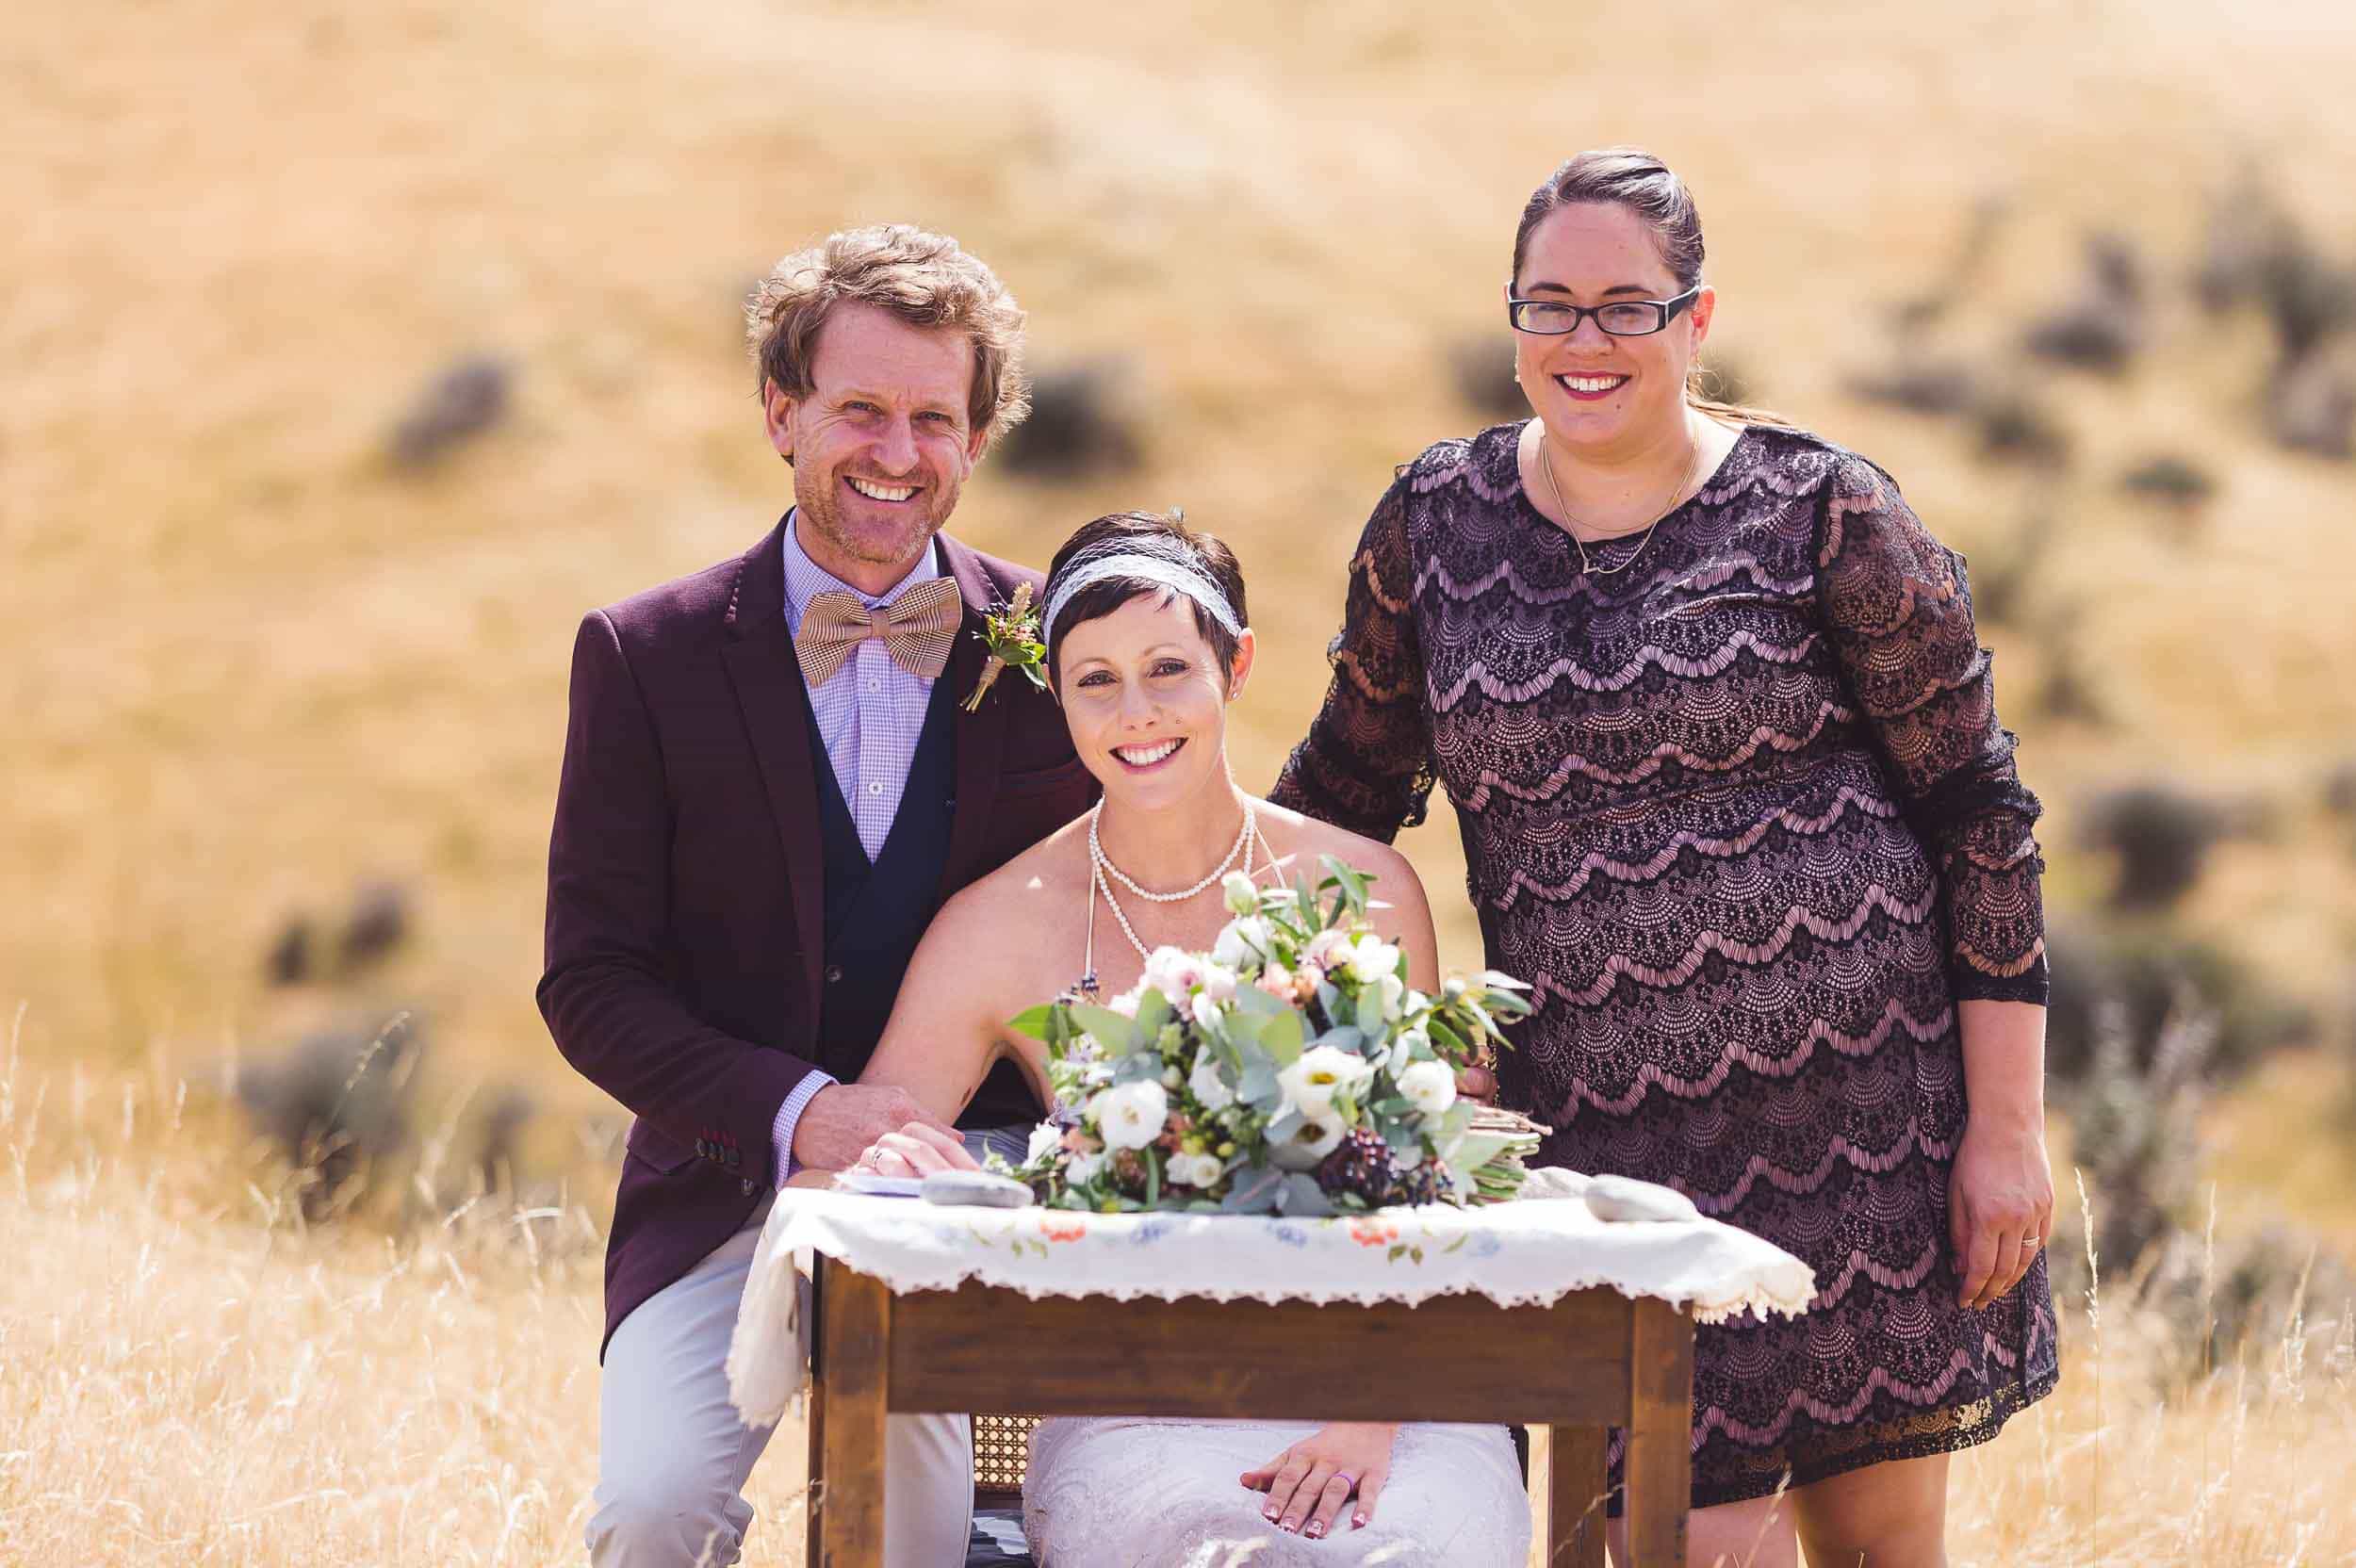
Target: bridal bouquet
(1291, 1070)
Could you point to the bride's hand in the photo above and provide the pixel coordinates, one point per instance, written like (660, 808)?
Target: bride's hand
(1319, 1473)
(918, 1149)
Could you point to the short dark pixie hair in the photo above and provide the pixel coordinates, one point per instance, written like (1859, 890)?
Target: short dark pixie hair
(1164, 536)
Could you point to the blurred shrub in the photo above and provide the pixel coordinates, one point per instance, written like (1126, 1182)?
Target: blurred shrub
(1482, 367)
(2102, 326)
(463, 402)
(2068, 692)
(1919, 385)
(2143, 975)
(2013, 427)
(337, 1107)
(2339, 789)
(2166, 478)
(375, 927)
(2135, 1120)
(2161, 838)
(1079, 427)
(2311, 406)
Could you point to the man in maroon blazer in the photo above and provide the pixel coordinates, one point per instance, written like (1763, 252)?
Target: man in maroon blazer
(769, 787)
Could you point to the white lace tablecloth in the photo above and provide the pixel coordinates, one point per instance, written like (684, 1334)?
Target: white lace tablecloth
(1524, 1254)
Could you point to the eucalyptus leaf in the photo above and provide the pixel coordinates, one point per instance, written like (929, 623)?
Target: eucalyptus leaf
(1138, 1066)
(1258, 1088)
(1251, 1000)
(1032, 1022)
(1115, 1033)
(1154, 1010)
(1347, 1037)
(1475, 1150)
(1302, 1199)
(1254, 1192)
(1282, 1036)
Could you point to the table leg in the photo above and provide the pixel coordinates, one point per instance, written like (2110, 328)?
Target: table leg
(1575, 1488)
(856, 1323)
(1660, 1464)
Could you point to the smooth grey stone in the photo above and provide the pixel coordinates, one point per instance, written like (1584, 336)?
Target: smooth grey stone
(1625, 1198)
(975, 1189)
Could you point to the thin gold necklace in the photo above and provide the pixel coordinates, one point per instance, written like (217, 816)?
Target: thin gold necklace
(1545, 467)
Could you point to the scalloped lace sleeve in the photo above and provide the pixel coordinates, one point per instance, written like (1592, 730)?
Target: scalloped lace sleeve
(1898, 606)
(1366, 763)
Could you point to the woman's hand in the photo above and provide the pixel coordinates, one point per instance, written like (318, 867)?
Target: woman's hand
(2000, 1206)
(1308, 1484)
(918, 1149)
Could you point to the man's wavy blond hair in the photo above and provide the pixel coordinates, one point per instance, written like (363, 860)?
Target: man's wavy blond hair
(926, 280)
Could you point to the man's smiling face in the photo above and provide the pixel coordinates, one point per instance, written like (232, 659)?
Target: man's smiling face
(880, 444)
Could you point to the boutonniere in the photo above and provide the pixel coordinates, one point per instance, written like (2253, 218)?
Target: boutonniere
(1011, 634)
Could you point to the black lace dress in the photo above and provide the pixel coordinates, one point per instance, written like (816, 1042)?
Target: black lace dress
(1744, 815)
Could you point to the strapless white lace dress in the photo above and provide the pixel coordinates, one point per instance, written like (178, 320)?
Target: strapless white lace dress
(1122, 1492)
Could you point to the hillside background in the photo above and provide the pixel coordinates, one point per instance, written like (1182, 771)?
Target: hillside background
(252, 659)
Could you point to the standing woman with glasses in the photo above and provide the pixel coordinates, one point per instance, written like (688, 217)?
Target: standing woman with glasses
(1721, 739)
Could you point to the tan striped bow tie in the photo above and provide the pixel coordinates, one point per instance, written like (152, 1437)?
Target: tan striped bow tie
(918, 630)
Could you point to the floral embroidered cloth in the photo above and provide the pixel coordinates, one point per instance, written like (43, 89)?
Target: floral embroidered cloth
(1531, 1252)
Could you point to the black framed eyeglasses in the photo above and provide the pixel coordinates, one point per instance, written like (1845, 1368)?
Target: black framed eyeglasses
(1620, 317)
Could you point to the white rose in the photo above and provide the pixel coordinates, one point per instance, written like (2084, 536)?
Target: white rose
(1218, 981)
(1242, 941)
(1045, 1139)
(1242, 894)
(1204, 1010)
(1209, 1089)
(1315, 1138)
(1080, 1169)
(1430, 1086)
(1323, 1071)
(1126, 1002)
(1130, 1116)
(1171, 971)
(1373, 958)
(1385, 994)
(1195, 1170)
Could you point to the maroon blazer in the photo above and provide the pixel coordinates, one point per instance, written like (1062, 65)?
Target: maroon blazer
(684, 928)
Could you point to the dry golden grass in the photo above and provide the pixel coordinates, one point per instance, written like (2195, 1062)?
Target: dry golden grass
(189, 1376)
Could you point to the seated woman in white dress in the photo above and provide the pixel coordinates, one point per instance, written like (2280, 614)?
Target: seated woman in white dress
(1148, 645)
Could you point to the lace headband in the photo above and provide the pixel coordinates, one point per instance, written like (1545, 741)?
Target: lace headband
(1170, 574)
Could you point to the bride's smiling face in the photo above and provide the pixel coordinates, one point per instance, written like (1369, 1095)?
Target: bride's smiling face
(1147, 701)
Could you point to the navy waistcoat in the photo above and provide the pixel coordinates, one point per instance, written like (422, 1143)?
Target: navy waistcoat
(877, 912)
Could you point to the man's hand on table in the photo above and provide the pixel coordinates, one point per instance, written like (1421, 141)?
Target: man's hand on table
(842, 1121)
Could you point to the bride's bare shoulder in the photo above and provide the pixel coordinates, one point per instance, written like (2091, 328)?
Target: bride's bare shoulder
(1303, 839)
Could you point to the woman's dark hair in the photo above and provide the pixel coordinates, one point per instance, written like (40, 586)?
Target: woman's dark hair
(1634, 178)
(1162, 536)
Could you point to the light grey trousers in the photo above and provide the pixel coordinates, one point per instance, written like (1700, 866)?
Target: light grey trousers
(673, 1458)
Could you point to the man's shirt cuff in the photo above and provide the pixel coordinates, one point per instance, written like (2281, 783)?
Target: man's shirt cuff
(781, 1130)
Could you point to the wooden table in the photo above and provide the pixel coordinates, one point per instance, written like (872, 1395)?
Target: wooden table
(1593, 1358)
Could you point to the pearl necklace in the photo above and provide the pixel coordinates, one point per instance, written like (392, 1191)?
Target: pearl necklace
(1103, 862)
(1099, 864)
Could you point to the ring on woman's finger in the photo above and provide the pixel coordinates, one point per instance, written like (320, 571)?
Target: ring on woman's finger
(1347, 1480)
(2031, 1243)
